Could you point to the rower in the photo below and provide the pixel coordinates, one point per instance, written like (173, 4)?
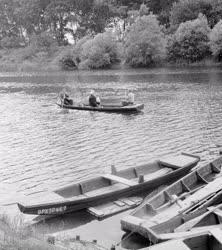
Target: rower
(67, 100)
(93, 100)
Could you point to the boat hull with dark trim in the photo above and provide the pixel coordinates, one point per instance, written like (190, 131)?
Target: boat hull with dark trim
(110, 187)
(159, 216)
(115, 109)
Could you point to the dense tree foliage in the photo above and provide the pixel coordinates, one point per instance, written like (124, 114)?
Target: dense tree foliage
(102, 51)
(99, 52)
(60, 17)
(185, 10)
(141, 25)
(145, 42)
(191, 41)
(216, 41)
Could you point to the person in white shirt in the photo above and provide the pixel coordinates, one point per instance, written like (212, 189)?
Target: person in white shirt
(130, 97)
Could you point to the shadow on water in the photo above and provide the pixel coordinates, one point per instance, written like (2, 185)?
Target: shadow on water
(63, 222)
(132, 115)
(134, 241)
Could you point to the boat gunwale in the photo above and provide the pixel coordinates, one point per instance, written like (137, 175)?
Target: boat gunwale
(129, 108)
(149, 231)
(180, 182)
(117, 194)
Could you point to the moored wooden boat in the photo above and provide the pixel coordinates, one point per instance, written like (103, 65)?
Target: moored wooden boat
(209, 240)
(157, 218)
(101, 108)
(209, 220)
(108, 187)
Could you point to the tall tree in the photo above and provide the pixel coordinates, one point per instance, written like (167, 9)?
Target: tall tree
(190, 42)
(58, 14)
(216, 41)
(31, 15)
(185, 10)
(145, 42)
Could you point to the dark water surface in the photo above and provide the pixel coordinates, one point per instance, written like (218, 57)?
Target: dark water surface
(43, 147)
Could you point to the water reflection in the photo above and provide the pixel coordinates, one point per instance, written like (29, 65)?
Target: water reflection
(61, 223)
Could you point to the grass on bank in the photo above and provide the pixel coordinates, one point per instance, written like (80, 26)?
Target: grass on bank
(15, 234)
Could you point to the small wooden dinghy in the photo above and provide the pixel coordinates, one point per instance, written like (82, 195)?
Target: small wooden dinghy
(109, 187)
(107, 104)
(209, 220)
(157, 218)
(117, 109)
(209, 240)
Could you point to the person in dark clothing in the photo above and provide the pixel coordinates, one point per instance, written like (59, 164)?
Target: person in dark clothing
(67, 100)
(92, 99)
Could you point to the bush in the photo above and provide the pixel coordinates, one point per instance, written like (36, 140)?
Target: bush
(145, 42)
(91, 53)
(216, 41)
(190, 42)
(77, 50)
(99, 52)
(66, 59)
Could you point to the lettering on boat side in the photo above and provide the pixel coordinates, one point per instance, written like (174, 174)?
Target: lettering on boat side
(52, 210)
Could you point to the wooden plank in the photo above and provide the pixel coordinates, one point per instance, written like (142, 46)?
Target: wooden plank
(119, 203)
(173, 244)
(128, 202)
(110, 208)
(217, 233)
(119, 179)
(95, 212)
(189, 225)
(178, 161)
(218, 212)
(183, 235)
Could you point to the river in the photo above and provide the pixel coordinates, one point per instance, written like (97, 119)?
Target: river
(43, 148)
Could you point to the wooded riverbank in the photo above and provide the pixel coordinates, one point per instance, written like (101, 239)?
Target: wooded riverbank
(11, 60)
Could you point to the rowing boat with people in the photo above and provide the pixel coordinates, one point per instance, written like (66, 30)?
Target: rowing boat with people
(110, 187)
(105, 104)
(101, 108)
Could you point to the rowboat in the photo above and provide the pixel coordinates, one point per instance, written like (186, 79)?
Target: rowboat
(158, 217)
(101, 108)
(108, 187)
(210, 240)
(196, 234)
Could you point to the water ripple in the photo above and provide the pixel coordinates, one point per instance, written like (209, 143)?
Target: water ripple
(43, 147)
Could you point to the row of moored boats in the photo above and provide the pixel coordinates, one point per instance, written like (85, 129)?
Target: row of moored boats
(177, 199)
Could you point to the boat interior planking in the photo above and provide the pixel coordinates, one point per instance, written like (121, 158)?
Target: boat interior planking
(109, 187)
(181, 201)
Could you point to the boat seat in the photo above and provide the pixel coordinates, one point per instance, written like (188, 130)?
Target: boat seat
(112, 105)
(178, 161)
(120, 180)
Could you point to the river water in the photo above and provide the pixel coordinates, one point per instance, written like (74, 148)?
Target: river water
(43, 148)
